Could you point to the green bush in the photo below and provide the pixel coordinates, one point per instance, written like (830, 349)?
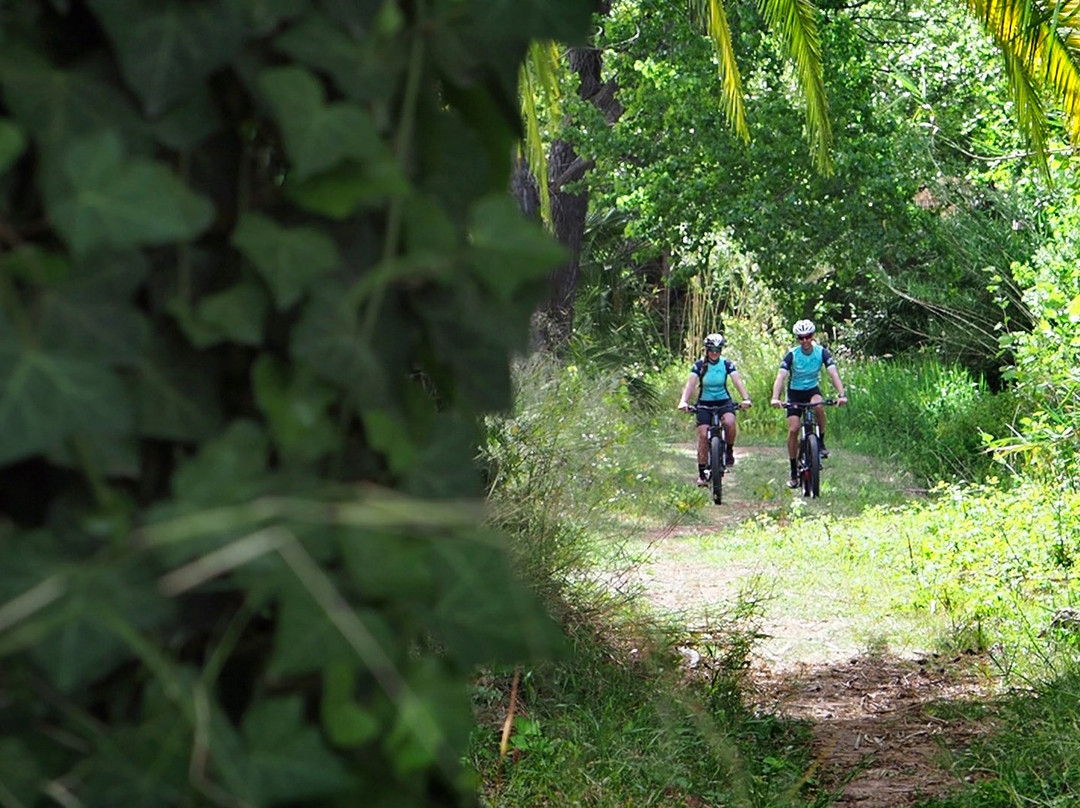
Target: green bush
(260, 280)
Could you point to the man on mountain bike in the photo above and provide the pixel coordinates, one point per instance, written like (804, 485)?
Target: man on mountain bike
(710, 376)
(803, 365)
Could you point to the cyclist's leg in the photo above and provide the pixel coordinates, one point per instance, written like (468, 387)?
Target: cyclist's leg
(793, 449)
(730, 431)
(702, 451)
(819, 415)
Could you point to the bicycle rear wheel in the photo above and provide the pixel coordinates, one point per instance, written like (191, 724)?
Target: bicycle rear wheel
(716, 468)
(813, 466)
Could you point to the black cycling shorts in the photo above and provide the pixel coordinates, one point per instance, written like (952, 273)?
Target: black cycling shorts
(801, 397)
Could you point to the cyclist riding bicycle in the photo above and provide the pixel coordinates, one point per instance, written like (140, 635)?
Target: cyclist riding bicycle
(802, 365)
(710, 376)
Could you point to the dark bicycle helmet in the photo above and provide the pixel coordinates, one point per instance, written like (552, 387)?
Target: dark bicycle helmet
(714, 342)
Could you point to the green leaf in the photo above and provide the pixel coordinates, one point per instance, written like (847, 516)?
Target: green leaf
(12, 143)
(85, 647)
(231, 468)
(186, 125)
(287, 756)
(307, 638)
(347, 724)
(328, 339)
(166, 49)
(33, 263)
(297, 409)
(45, 398)
(264, 16)
(288, 258)
(337, 194)
(57, 106)
(428, 228)
(238, 314)
(22, 774)
(364, 68)
(433, 719)
(484, 614)
(389, 434)
(176, 393)
(389, 565)
(508, 249)
(318, 136)
(113, 201)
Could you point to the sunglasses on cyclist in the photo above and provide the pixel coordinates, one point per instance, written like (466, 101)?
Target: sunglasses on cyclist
(806, 336)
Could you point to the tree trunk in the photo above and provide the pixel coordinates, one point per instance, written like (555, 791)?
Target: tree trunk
(555, 321)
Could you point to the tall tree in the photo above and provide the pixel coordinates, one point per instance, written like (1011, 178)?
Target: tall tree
(1035, 39)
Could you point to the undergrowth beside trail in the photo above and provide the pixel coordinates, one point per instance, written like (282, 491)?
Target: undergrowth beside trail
(984, 566)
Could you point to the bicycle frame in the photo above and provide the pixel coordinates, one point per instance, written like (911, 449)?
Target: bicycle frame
(808, 460)
(716, 441)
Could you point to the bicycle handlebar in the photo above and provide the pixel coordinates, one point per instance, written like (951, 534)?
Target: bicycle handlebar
(742, 405)
(805, 405)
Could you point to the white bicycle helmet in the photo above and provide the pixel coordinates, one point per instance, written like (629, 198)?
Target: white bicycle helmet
(714, 342)
(803, 328)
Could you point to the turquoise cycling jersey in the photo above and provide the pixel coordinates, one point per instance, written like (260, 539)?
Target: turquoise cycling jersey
(714, 376)
(805, 369)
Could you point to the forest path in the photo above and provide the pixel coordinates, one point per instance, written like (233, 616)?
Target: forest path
(883, 721)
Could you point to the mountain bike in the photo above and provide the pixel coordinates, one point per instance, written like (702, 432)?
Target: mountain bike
(717, 443)
(808, 462)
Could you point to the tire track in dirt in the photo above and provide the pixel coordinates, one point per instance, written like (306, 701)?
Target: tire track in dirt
(883, 725)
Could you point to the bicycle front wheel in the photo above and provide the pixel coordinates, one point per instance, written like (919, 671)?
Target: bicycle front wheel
(716, 468)
(812, 485)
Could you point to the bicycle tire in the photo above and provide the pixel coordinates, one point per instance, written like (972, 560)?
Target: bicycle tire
(813, 466)
(716, 460)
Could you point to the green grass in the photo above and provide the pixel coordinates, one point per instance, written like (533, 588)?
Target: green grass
(586, 474)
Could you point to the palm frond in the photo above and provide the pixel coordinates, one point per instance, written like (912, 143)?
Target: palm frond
(1041, 44)
(711, 17)
(538, 79)
(795, 21)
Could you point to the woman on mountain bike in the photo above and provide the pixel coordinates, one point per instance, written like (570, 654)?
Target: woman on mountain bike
(803, 365)
(710, 376)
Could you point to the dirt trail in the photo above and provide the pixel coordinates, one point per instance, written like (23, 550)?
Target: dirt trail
(883, 725)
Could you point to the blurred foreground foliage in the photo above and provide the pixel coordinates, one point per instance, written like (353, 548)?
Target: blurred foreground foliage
(259, 279)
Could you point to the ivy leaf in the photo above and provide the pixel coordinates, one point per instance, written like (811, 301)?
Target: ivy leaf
(176, 393)
(389, 565)
(434, 718)
(230, 469)
(389, 435)
(337, 194)
(297, 409)
(364, 69)
(85, 646)
(114, 201)
(22, 772)
(56, 106)
(237, 314)
(32, 263)
(318, 136)
(328, 339)
(288, 258)
(168, 48)
(186, 125)
(508, 249)
(46, 397)
(264, 16)
(347, 724)
(307, 639)
(484, 614)
(287, 757)
(12, 143)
